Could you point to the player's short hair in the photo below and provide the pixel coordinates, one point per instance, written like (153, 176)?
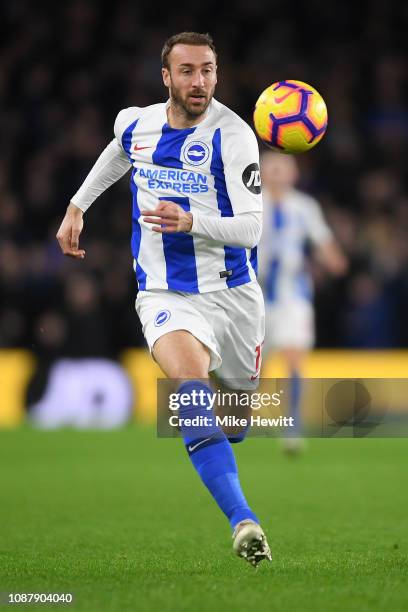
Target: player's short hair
(186, 38)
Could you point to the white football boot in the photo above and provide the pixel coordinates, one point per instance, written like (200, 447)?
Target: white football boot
(250, 542)
(293, 446)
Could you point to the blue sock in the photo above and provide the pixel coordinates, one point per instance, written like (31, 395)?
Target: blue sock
(212, 455)
(294, 407)
(239, 437)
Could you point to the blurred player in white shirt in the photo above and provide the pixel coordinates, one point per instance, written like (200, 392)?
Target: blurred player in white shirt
(293, 221)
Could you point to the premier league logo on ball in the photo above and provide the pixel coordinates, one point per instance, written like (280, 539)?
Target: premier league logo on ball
(195, 153)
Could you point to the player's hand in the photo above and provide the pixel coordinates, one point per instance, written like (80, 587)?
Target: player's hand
(168, 217)
(69, 231)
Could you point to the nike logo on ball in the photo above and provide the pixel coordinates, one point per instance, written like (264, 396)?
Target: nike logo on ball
(286, 95)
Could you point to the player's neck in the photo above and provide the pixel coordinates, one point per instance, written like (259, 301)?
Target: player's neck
(276, 194)
(178, 119)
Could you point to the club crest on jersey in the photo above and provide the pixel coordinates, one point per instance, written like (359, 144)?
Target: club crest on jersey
(162, 317)
(195, 153)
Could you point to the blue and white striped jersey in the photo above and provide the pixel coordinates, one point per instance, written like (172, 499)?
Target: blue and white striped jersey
(288, 227)
(211, 169)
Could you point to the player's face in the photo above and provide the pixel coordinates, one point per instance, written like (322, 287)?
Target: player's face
(191, 78)
(278, 171)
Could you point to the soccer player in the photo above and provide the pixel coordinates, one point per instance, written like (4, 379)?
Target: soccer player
(292, 221)
(197, 218)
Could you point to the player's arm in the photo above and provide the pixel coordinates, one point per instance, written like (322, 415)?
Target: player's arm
(240, 156)
(330, 256)
(325, 247)
(110, 166)
(243, 230)
(69, 232)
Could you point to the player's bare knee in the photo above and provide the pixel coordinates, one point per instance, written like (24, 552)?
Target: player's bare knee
(189, 371)
(182, 356)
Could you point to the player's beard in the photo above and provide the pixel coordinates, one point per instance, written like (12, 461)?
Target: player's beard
(191, 110)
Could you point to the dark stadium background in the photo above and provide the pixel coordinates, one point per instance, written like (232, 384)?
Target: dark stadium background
(67, 68)
(119, 518)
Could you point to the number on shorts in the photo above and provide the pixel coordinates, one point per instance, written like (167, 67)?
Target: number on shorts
(258, 361)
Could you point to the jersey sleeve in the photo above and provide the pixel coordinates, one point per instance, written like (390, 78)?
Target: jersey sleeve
(242, 230)
(317, 229)
(124, 119)
(110, 166)
(240, 155)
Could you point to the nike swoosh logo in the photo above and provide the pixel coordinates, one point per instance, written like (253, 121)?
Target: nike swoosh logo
(192, 448)
(136, 148)
(286, 95)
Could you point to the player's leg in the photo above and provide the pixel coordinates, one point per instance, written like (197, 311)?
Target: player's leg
(290, 330)
(242, 333)
(182, 356)
(294, 358)
(237, 406)
(249, 540)
(243, 339)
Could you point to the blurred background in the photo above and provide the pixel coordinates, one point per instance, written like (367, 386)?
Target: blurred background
(66, 69)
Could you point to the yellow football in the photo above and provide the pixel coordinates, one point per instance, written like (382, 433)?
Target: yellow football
(290, 117)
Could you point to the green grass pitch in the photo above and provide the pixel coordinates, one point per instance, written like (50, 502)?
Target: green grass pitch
(121, 520)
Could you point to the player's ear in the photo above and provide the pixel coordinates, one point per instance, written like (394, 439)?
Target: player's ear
(166, 76)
